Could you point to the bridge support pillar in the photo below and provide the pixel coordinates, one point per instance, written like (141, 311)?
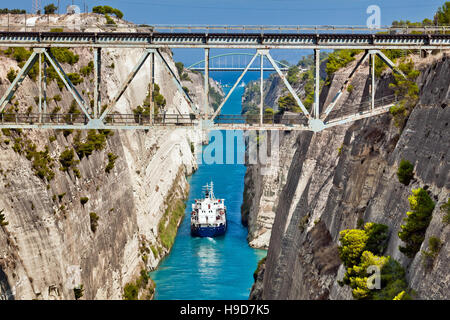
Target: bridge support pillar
(44, 87)
(317, 83)
(206, 102)
(97, 80)
(40, 87)
(261, 102)
(152, 86)
(372, 79)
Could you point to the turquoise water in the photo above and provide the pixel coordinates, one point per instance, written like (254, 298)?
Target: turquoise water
(212, 268)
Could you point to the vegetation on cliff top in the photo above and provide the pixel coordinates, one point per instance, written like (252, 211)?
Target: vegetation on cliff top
(108, 10)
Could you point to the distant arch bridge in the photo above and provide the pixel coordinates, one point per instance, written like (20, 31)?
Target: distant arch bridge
(234, 62)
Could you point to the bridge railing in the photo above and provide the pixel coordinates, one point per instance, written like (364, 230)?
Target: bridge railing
(111, 119)
(363, 106)
(268, 119)
(45, 24)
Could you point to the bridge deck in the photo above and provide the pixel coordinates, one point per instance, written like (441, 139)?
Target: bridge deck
(225, 40)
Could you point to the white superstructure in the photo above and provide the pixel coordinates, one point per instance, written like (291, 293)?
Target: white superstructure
(209, 211)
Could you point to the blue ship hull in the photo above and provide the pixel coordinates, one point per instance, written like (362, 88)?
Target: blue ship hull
(208, 231)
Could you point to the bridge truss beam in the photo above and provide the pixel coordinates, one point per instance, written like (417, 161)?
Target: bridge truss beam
(94, 118)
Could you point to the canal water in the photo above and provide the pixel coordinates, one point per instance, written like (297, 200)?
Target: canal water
(212, 268)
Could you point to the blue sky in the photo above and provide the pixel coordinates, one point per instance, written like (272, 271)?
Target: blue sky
(254, 12)
(267, 12)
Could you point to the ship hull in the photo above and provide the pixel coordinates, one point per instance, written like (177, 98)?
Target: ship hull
(208, 231)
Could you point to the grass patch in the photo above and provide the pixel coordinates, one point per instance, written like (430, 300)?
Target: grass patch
(167, 227)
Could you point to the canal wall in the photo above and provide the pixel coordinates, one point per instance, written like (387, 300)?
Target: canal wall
(346, 175)
(83, 210)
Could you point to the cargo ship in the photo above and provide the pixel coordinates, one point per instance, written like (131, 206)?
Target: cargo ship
(209, 215)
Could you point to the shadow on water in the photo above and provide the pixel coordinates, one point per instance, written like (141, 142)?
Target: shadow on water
(212, 268)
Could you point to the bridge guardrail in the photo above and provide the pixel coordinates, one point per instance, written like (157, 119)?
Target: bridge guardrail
(46, 25)
(111, 119)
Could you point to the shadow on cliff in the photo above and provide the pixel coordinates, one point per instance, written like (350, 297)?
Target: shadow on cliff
(5, 288)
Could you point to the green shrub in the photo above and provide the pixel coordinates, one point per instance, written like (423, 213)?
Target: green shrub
(67, 159)
(405, 172)
(406, 89)
(84, 200)
(11, 75)
(393, 282)
(180, 67)
(64, 55)
(42, 162)
(111, 161)
(350, 88)
(339, 59)
(292, 74)
(75, 78)
(109, 20)
(106, 10)
(78, 292)
(12, 11)
(3, 221)
(72, 113)
(412, 233)
(288, 103)
(50, 8)
(428, 256)
(158, 97)
(360, 249)
(76, 172)
(130, 291)
(94, 221)
(94, 141)
(88, 69)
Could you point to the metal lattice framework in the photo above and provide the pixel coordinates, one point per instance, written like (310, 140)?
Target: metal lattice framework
(316, 119)
(233, 65)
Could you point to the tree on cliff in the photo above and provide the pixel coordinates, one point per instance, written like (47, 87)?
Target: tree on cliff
(442, 16)
(50, 9)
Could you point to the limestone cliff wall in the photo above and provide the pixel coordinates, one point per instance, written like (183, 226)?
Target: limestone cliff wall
(347, 173)
(49, 233)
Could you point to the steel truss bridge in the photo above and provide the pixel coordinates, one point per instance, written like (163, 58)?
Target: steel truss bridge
(233, 62)
(260, 40)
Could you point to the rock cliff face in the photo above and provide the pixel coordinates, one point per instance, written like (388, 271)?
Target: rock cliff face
(116, 232)
(348, 173)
